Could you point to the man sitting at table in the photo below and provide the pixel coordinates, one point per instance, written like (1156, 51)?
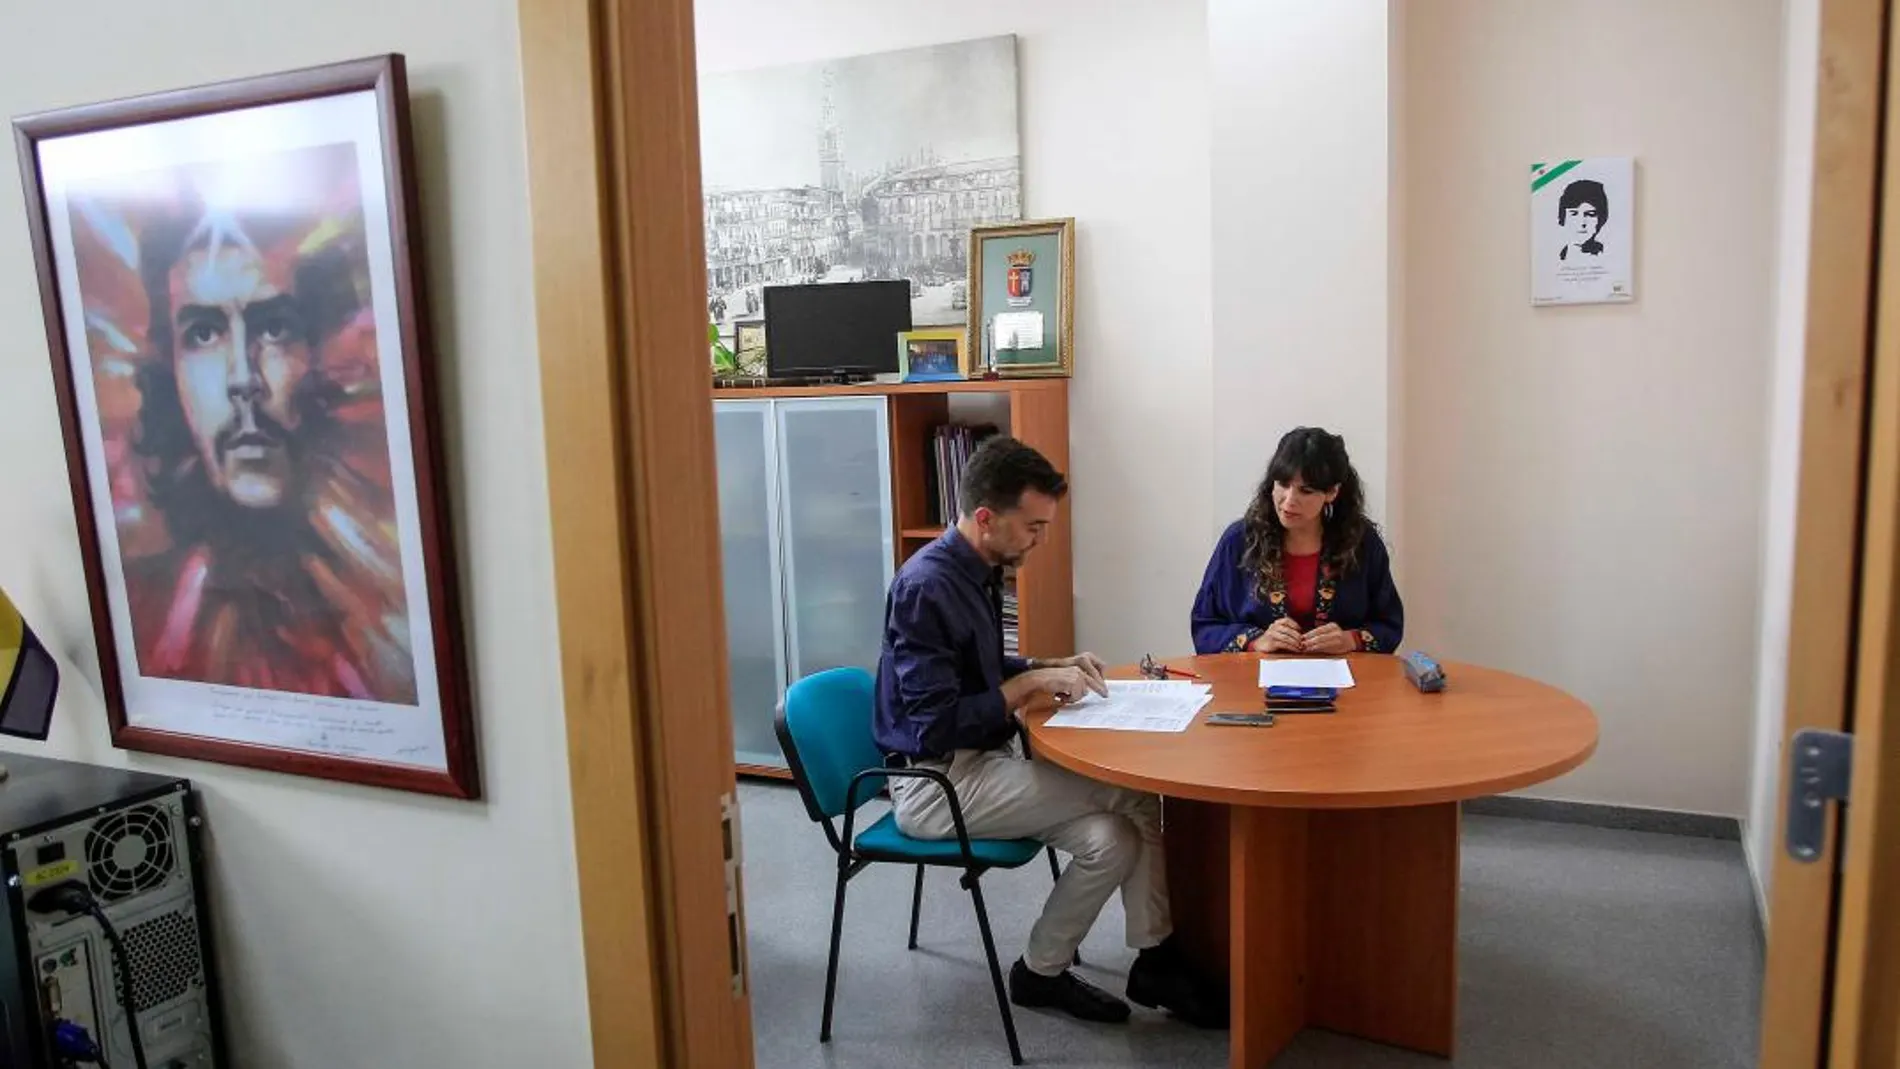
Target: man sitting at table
(946, 700)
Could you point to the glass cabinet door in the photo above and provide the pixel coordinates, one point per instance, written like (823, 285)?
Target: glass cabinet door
(835, 489)
(748, 535)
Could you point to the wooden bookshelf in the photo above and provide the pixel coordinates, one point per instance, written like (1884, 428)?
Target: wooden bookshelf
(1038, 416)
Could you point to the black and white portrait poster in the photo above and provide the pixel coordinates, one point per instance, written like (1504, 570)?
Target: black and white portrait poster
(1582, 229)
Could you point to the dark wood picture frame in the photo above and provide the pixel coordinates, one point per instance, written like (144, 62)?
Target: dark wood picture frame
(384, 76)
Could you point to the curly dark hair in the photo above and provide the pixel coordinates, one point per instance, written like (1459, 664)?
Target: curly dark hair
(1318, 459)
(175, 477)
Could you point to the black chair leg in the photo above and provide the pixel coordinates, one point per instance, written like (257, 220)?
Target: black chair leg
(831, 969)
(996, 971)
(916, 906)
(1055, 873)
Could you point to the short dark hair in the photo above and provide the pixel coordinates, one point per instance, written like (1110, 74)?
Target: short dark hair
(1581, 192)
(999, 472)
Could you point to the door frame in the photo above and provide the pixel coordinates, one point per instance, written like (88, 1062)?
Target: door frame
(1864, 1013)
(619, 265)
(1842, 270)
(612, 124)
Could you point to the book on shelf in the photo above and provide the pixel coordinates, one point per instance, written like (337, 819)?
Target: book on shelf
(1012, 628)
(952, 445)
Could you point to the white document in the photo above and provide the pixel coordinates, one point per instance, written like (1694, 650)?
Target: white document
(1301, 673)
(1137, 705)
(1156, 686)
(1017, 330)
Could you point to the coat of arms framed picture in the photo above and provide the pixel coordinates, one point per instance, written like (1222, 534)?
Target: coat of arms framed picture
(1022, 287)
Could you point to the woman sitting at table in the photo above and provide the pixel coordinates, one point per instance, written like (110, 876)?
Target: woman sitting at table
(1304, 571)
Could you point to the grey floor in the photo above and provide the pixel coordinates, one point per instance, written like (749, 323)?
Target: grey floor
(1580, 947)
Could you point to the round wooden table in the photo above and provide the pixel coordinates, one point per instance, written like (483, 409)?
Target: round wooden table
(1315, 862)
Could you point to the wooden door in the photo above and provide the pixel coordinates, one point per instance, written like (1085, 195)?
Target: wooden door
(620, 306)
(1864, 1029)
(1832, 994)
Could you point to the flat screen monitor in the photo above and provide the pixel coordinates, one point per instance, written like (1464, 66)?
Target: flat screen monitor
(835, 328)
(29, 677)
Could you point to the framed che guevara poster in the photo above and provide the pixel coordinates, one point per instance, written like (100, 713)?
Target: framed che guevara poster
(231, 278)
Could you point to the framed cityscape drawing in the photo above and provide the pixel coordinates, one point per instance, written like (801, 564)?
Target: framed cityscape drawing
(857, 168)
(230, 279)
(1022, 281)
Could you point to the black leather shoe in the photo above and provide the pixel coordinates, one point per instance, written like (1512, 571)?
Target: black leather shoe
(1064, 991)
(1161, 979)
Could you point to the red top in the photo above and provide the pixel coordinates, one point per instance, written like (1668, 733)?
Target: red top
(1301, 572)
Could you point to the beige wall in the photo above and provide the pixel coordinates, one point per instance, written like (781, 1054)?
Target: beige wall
(1584, 486)
(1114, 121)
(355, 927)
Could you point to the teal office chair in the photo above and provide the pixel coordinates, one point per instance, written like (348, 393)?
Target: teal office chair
(824, 728)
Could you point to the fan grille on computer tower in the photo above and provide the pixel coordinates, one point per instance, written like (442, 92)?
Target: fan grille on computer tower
(130, 851)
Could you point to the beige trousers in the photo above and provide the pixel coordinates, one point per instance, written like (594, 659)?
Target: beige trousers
(1113, 837)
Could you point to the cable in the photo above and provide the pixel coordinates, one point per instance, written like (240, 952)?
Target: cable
(72, 897)
(127, 998)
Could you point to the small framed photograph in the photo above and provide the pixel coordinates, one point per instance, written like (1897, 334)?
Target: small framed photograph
(932, 355)
(1022, 283)
(748, 335)
(748, 346)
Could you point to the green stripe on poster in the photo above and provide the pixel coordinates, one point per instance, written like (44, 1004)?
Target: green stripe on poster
(1553, 174)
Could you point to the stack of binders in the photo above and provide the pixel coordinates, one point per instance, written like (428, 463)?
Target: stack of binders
(1301, 699)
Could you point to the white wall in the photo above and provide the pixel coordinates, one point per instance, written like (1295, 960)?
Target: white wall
(1301, 161)
(1398, 170)
(355, 927)
(1584, 485)
(1114, 121)
(1799, 66)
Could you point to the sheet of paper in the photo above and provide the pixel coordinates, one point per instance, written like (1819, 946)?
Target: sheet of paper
(1156, 686)
(1132, 710)
(1017, 330)
(1303, 673)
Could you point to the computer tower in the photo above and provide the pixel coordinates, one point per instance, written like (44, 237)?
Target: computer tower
(131, 840)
